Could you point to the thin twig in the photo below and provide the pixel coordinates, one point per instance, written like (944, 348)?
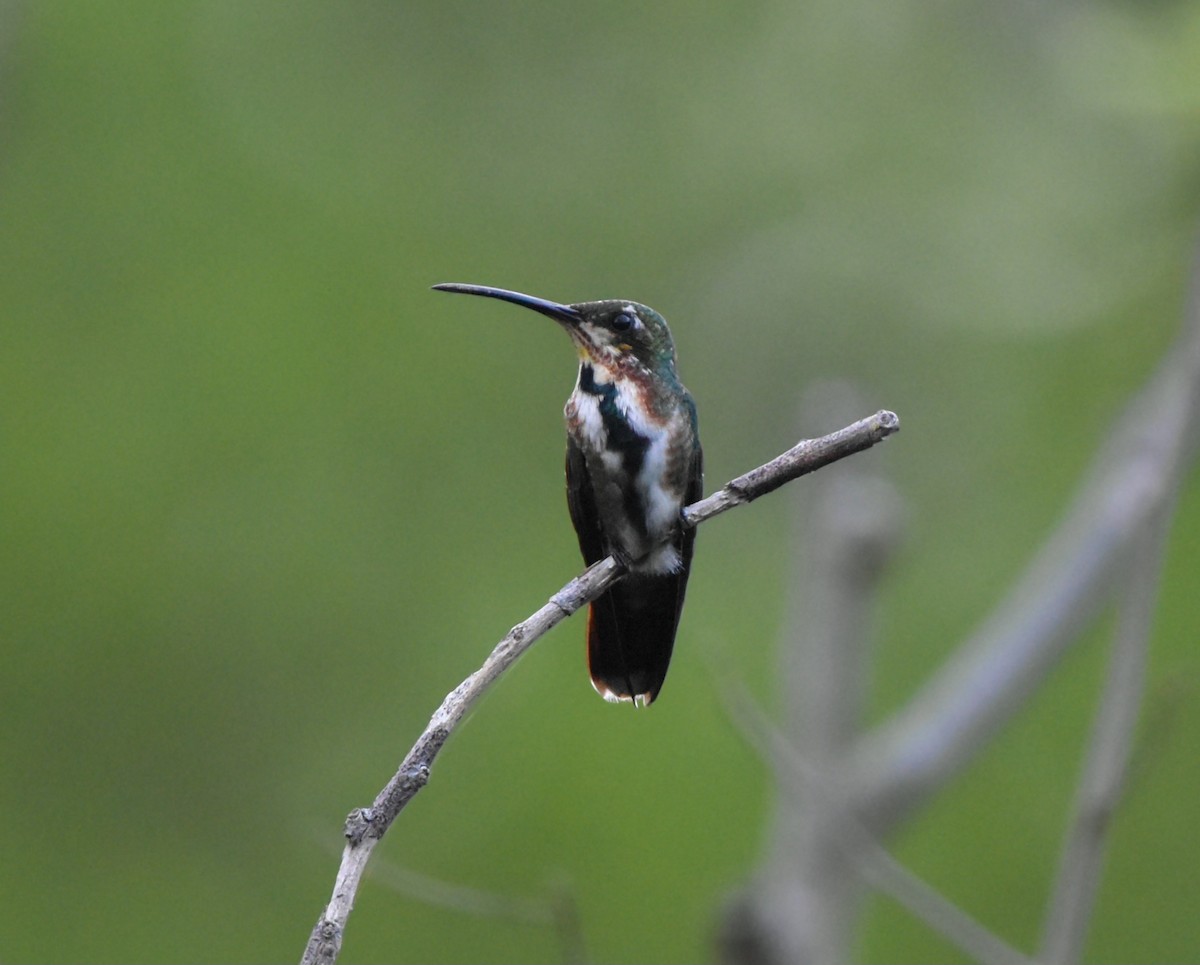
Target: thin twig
(365, 826)
(557, 910)
(1102, 783)
(461, 898)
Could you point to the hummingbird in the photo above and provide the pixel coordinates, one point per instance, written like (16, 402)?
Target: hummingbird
(633, 462)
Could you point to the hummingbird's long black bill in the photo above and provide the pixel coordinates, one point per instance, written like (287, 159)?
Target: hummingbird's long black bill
(556, 310)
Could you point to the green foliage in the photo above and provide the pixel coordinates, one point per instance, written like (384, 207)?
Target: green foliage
(266, 498)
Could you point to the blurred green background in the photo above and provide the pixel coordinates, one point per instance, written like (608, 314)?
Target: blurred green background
(266, 498)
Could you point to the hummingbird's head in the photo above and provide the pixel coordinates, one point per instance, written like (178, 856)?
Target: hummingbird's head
(609, 330)
(606, 333)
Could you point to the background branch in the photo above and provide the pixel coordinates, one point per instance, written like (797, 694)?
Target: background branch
(857, 848)
(365, 826)
(801, 905)
(1101, 785)
(982, 684)
(1104, 775)
(823, 845)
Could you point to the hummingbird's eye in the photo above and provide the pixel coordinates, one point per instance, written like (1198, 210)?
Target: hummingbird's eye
(623, 322)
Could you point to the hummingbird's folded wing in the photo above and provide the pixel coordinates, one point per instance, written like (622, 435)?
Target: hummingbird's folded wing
(631, 627)
(581, 502)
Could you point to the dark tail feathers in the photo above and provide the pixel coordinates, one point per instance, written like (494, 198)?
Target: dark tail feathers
(631, 632)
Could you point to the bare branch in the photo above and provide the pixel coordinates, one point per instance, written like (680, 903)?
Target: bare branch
(461, 898)
(556, 909)
(803, 458)
(801, 904)
(1103, 781)
(365, 826)
(983, 683)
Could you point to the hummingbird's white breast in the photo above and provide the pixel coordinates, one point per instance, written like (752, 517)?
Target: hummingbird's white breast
(628, 454)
